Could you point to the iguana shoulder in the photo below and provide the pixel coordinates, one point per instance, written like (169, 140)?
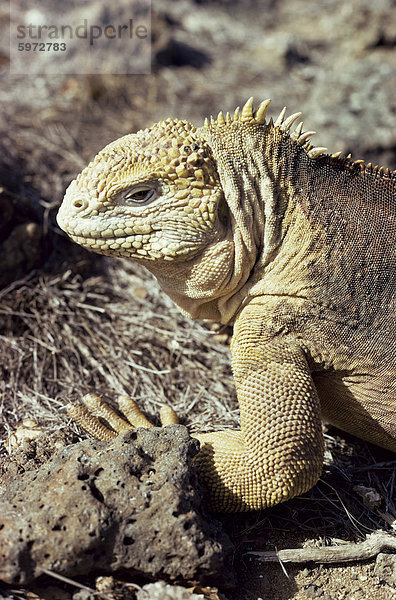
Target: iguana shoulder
(242, 221)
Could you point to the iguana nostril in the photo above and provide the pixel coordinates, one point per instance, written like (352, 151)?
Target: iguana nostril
(78, 203)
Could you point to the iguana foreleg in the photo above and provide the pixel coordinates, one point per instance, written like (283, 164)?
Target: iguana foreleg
(278, 453)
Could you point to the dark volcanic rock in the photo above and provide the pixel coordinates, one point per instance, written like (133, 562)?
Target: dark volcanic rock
(20, 241)
(128, 504)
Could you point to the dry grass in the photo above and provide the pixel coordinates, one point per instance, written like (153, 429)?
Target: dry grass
(65, 335)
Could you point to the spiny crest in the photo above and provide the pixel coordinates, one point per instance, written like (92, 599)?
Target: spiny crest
(258, 117)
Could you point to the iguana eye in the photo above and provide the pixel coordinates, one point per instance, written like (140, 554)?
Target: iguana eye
(138, 195)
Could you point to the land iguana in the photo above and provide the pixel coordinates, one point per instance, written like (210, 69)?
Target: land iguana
(243, 222)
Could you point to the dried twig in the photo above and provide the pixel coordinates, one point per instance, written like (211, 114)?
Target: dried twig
(373, 545)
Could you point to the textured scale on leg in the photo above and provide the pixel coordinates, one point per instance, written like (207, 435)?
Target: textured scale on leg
(279, 451)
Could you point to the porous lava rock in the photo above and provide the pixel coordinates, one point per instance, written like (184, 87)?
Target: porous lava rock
(131, 503)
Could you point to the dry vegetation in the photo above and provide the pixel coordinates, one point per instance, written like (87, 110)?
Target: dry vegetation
(65, 335)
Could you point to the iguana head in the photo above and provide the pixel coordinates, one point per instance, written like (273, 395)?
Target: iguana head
(151, 195)
(155, 196)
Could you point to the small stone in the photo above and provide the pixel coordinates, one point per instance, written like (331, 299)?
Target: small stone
(25, 432)
(104, 584)
(371, 498)
(313, 591)
(163, 591)
(385, 568)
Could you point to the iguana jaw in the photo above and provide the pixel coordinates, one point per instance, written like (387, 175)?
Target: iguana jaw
(154, 233)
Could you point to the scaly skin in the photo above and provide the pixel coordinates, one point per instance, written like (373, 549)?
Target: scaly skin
(243, 222)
